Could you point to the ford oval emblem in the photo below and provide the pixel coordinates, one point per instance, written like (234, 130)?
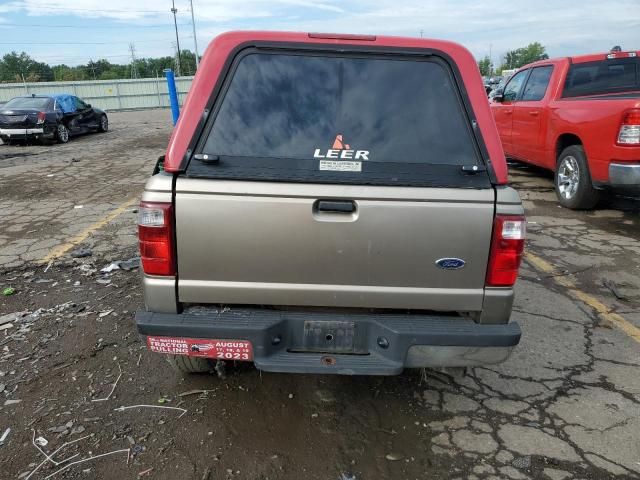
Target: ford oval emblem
(450, 263)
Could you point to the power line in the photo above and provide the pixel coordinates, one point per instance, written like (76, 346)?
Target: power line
(75, 9)
(58, 57)
(77, 43)
(92, 27)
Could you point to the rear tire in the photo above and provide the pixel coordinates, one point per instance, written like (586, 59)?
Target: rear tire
(185, 364)
(62, 133)
(573, 184)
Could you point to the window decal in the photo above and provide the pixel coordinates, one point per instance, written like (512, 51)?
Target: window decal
(339, 157)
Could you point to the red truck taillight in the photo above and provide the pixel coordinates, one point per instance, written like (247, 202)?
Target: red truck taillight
(155, 234)
(507, 246)
(629, 133)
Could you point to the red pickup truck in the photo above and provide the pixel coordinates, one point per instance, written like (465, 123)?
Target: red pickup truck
(579, 117)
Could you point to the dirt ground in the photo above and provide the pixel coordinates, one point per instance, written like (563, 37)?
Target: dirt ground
(566, 405)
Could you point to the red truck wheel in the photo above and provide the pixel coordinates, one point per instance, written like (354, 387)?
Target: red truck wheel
(573, 180)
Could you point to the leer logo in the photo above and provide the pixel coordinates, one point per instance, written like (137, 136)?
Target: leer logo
(342, 151)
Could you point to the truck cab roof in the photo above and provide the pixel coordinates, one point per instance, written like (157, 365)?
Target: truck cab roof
(590, 57)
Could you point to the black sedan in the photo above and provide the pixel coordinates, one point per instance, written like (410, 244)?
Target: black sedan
(49, 117)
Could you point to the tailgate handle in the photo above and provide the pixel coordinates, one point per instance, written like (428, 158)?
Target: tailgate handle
(336, 206)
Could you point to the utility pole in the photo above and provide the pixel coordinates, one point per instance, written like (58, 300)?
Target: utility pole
(93, 68)
(195, 39)
(490, 60)
(24, 82)
(421, 33)
(134, 67)
(176, 61)
(174, 10)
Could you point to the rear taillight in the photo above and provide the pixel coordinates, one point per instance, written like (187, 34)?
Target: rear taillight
(155, 234)
(41, 117)
(629, 133)
(507, 246)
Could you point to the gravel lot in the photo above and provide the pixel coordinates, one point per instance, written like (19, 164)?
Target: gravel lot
(566, 405)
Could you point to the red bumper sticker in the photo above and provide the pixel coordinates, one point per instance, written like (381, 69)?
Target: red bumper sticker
(202, 347)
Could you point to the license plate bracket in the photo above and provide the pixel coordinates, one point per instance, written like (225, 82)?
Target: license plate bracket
(329, 336)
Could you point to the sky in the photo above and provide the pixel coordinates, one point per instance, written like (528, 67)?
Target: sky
(75, 31)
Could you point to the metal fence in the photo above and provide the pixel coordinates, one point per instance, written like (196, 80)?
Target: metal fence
(105, 94)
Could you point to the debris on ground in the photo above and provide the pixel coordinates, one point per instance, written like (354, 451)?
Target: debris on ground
(4, 435)
(194, 392)
(87, 269)
(110, 268)
(81, 253)
(126, 265)
(64, 429)
(613, 287)
(41, 442)
(130, 264)
(123, 408)
(8, 291)
(88, 459)
(11, 402)
(49, 458)
(145, 472)
(112, 389)
(394, 457)
(12, 317)
(522, 463)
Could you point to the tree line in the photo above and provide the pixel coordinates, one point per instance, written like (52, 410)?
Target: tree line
(514, 59)
(18, 67)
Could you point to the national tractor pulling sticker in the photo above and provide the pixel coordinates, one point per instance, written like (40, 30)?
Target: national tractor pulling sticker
(200, 347)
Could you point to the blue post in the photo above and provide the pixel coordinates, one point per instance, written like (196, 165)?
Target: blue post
(173, 94)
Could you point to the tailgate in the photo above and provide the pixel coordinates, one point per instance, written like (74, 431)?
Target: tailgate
(336, 179)
(268, 243)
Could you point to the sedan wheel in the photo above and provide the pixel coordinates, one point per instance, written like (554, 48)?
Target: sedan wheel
(104, 124)
(62, 134)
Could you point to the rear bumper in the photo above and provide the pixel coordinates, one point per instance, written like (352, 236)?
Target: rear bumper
(10, 132)
(411, 340)
(625, 177)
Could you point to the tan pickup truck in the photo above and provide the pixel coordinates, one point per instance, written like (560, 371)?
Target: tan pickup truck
(331, 204)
